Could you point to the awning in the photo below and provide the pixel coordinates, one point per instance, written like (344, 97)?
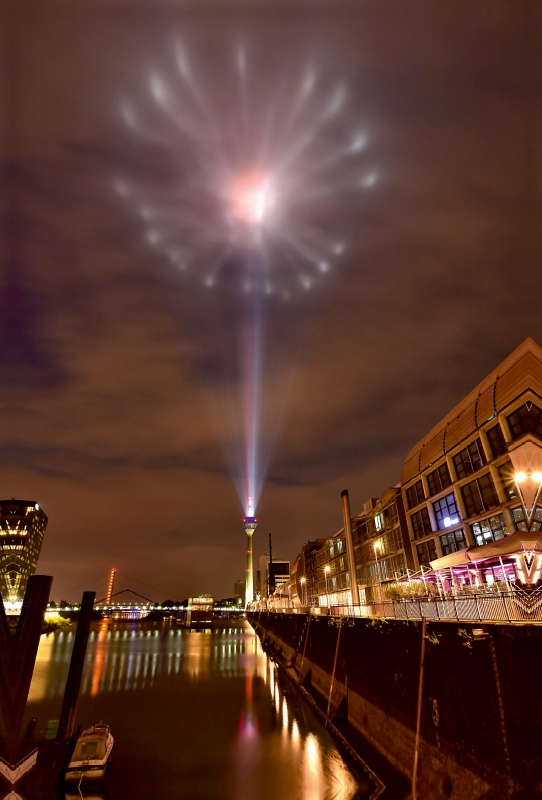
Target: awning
(452, 560)
(515, 543)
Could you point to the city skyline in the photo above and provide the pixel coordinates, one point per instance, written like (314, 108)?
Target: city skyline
(109, 404)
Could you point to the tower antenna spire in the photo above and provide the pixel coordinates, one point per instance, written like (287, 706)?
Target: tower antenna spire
(250, 523)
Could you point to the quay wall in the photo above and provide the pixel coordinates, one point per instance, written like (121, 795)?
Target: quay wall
(481, 711)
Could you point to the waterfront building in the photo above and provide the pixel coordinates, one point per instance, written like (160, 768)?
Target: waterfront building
(303, 577)
(475, 478)
(198, 612)
(22, 528)
(382, 553)
(272, 575)
(239, 591)
(332, 573)
(381, 545)
(278, 574)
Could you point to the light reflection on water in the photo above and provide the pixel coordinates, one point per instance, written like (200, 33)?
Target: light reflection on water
(201, 715)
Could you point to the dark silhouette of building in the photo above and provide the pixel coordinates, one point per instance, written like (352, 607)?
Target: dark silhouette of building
(22, 527)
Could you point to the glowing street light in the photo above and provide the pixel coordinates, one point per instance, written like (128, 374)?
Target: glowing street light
(302, 581)
(327, 570)
(376, 547)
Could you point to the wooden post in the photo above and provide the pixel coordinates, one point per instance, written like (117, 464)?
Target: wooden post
(419, 715)
(334, 669)
(73, 684)
(18, 655)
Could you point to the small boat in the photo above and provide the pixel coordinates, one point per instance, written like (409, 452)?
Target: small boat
(91, 754)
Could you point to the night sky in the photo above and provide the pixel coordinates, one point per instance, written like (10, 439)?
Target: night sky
(114, 363)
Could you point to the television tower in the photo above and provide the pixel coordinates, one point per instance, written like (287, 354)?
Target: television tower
(250, 524)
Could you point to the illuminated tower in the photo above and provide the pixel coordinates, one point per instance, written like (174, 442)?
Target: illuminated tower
(22, 527)
(110, 586)
(250, 523)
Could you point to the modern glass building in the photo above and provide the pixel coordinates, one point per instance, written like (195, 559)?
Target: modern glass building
(460, 482)
(22, 528)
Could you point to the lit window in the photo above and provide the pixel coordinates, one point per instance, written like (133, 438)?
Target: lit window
(446, 511)
(520, 522)
(489, 530)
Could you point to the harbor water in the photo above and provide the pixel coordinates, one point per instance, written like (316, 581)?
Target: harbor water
(196, 715)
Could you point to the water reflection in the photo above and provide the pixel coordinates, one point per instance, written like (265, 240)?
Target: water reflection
(200, 715)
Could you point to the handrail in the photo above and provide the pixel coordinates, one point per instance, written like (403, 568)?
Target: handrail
(510, 607)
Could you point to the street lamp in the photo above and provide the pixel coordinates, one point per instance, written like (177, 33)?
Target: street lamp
(303, 592)
(327, 570)
(376, 547)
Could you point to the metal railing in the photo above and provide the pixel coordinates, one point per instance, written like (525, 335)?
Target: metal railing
(503, 607)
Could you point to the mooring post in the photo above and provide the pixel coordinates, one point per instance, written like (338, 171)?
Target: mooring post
(334, 669)
(17, 658)
(419, 715)
(73, 684)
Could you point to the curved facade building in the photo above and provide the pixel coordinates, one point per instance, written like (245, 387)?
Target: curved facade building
(476, 476)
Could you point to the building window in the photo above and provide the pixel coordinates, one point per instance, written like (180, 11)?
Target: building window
(426, 552)
(479, 495)
(453, 541)
(446, 512)
(518, 515)
(470, 459)
(506, 474)
(439, 479)
(421, 524)
(391, 517)
(496, 441)
(415, 494)
(489, 530)
(520, 523)
(527, 419)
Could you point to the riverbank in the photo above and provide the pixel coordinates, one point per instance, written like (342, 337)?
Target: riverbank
(478, 738)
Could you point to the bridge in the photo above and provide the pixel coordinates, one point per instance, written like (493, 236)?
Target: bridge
(128, 603)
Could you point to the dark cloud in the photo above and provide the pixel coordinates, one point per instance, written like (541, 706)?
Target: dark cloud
(115, 367)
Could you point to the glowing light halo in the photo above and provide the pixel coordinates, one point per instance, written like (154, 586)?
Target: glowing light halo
(250, 198)
(257, 175)
(246, 206)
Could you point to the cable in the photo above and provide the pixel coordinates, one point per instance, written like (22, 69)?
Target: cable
(144, 584)
(80, 585)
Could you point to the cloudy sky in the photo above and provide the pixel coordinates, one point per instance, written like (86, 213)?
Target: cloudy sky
(114, 362)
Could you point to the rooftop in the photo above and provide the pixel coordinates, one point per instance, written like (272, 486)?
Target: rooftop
(520, 371)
